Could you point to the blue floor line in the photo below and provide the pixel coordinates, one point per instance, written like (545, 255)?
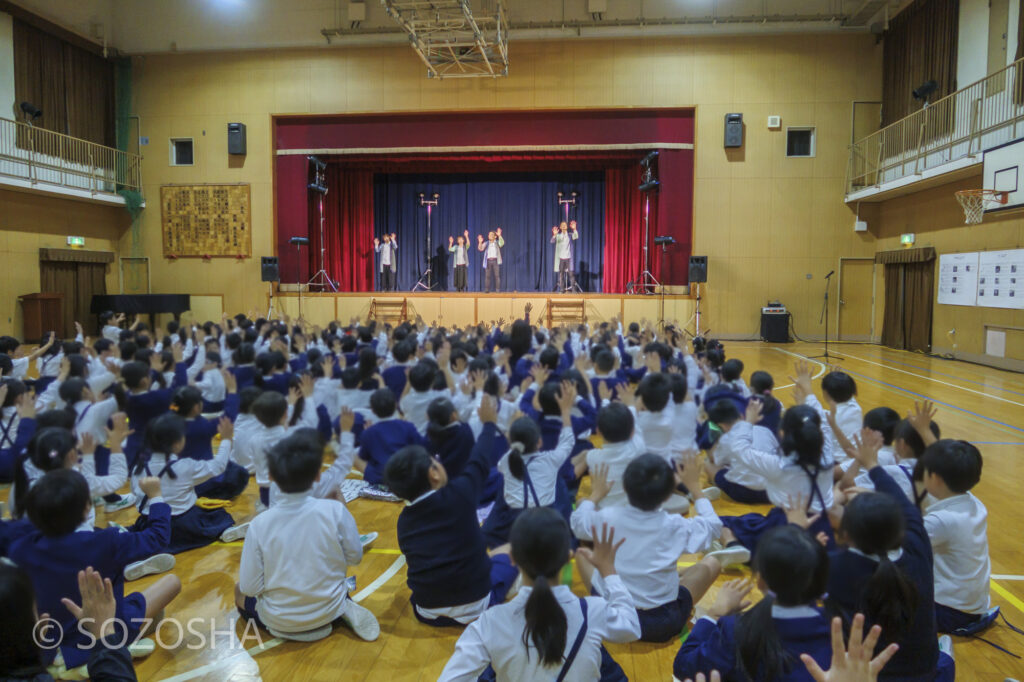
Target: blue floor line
(945, 374)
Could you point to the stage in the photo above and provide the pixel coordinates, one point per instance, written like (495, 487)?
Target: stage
(462, 309)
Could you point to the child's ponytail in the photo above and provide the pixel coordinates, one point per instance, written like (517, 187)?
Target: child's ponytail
(72, 391)
(546, 625)
(802, 436)
(516, 465)
(524, 438)
(47, 452)
(890, 599)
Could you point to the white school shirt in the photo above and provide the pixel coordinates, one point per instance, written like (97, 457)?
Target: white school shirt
(92, 418)
(212, 386)
(49, 365)
(654, 542)
(506, 411)
(294, 562)
(241, 453)
(180, 492)
(330, 478)
(849, 419)
(902, 473)
(784, 479)
(728, 452)
(616, 456)
(886, 457)
(414, 406)
(19, 368)
(101, 486)
(684, 426)
(111, 332)
(261, 439)
(543, 469)
(355, 400)
(958, 528)
(657, 430)
(497, 637)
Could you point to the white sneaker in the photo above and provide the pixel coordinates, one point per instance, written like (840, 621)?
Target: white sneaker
(361, 620)
(367, 539)
(314, 635)
(676, 504)
(235, 533)
(712, 493)
(127, 500)
(946, 645)
(730, 556)
(158, 563)
(142, 648)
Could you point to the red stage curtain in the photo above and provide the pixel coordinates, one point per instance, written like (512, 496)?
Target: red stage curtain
(624, 227)
(348, 229)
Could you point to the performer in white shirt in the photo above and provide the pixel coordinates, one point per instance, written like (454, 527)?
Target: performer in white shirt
(461, 251)
(388, 260)
(563, 237)
(492, 258)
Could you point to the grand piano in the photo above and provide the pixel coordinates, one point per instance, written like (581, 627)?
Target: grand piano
(138, 304)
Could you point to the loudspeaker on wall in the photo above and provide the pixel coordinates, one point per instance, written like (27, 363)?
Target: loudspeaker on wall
(236, 138)
(734, 130)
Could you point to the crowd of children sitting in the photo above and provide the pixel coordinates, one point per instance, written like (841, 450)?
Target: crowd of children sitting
(872, 518)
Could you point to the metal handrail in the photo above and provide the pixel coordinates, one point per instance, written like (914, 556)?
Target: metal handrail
(51, 158)
(962, 124)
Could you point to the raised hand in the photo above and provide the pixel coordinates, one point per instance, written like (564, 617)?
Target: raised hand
(498, 232)
(600, 486)
(554, 231)
(921, 419)
(853, 663)
(120, 430)
(347, 419)
(308, 386)
(796, 512)
(540, 374)
(451, 240)
(602, 556)
(150, 486)
(376, 242)
(86, 443)
(732, 598)
(488, 410)
(226, 428)
(688, 472)
(802, 381)
(754, 410)
(99, 607)
(567, 397)
(603, 391)
(230, 382)
(867, 445)
(627, 394)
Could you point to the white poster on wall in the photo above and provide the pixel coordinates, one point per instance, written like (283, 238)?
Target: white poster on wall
(958, 278)
(1001, 279)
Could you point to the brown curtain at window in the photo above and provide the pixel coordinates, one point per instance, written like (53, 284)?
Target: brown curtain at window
(920, 45)
(926, 253)
(907, 321)
(73, 87)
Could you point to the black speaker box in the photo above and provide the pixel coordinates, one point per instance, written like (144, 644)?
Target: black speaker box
(734, 130)
(269, 271)
(698, 273)
(236, 138)
(775, 327)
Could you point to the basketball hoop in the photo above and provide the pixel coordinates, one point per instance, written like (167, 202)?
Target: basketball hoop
(976, 201)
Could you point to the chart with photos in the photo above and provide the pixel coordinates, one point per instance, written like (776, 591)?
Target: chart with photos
(991, 279)
(206, 221)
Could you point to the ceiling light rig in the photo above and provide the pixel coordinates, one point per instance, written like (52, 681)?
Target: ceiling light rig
(450, 40)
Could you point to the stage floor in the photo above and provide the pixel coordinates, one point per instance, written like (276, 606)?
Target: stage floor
(461, 309)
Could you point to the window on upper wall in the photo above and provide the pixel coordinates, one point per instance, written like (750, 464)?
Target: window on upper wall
(181, 151)
(799, 142)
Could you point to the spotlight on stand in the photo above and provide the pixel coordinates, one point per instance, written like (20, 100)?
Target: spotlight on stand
(315, 160)
(649, 159)
(319, 183)
(663, 240)
(31, 111)
(649, 179)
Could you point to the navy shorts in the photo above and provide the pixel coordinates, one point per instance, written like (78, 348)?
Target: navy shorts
(739, 493)
(665, 622)
(503, 575)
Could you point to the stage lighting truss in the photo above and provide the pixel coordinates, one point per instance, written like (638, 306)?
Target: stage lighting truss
(451, 40)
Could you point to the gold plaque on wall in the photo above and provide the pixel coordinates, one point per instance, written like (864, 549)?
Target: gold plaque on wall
(206, 221)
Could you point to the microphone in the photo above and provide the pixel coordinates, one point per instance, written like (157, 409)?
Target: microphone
(830, 273)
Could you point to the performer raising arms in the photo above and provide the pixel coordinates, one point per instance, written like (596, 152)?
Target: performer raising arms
(492, 258)
(461, 251)
(563, 237)
(388, 260)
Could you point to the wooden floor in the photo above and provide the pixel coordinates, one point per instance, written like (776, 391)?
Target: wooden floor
(982, 405)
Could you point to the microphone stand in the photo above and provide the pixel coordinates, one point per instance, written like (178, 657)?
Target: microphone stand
(824, 316)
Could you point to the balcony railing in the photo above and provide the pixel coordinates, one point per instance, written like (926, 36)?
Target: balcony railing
(45, 158)
(962, 124)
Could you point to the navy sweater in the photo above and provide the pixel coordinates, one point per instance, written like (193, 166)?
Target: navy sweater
(441, 539)
(849, 575)
(456, 450)
(384, 439)
(712, 646)
(54, 563)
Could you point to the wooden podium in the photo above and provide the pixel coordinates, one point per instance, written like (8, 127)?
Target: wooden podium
(42, 313)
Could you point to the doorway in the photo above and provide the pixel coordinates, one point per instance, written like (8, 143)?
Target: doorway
(78, 276)
(855, 321)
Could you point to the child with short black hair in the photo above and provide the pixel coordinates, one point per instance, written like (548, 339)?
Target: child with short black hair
(957, 524)
(732, 375)
(664, 597)
(761, 385)
(452, 577)
(420, 391)
(58, 506)
(291, 579)
(840, 391)
(386, 436)
(616, 426)
(725, 464)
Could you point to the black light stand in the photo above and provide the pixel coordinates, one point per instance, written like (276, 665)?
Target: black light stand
(645, 283)
(424, 281)
(319, 185)
(824, 316)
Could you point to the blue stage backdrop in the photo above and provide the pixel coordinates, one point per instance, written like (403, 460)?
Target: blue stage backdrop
(524, 205)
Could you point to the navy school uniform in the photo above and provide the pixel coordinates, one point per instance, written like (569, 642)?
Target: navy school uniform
(395, 379)
(142, 408)
(53, 565)
(275, 382)
(19, 441)
(442, 542)
(199, 433)
(10, 531)
(919, 658)
(455, 452)
(495, 483)
(612, 381)
(245, 375)
(712, 646)
(384, 439)
(771, 414)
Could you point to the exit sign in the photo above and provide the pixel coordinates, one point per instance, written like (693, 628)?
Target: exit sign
(907, 239)
(76, 241)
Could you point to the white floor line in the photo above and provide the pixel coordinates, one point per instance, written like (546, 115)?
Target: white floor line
(995, 576)
(821, 365)
(932, 379)
(271, 643)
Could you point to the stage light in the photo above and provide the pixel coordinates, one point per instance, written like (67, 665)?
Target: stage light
(925, 89)
(649, 159)
(436, 195)
(663, 240)
(559, 195)
(317, 162)
(649, 185)
(31, 111)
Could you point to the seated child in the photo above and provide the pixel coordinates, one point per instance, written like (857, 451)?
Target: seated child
(450, 439)
(664, 597)
(385, 437)
(199, 432)
(191, 525)
(292, 575)
(761, 385)
(881, 420)
(725, 464)
(840, 391)
(452, 577)
(65, 543)
(420, 391)
(957, 524)
(732, 376)
(622, 444)
(546, 631)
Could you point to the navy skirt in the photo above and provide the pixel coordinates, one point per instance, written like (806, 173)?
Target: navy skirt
(739, 493)
(197, 527)
(749, 528)
(226, 486)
